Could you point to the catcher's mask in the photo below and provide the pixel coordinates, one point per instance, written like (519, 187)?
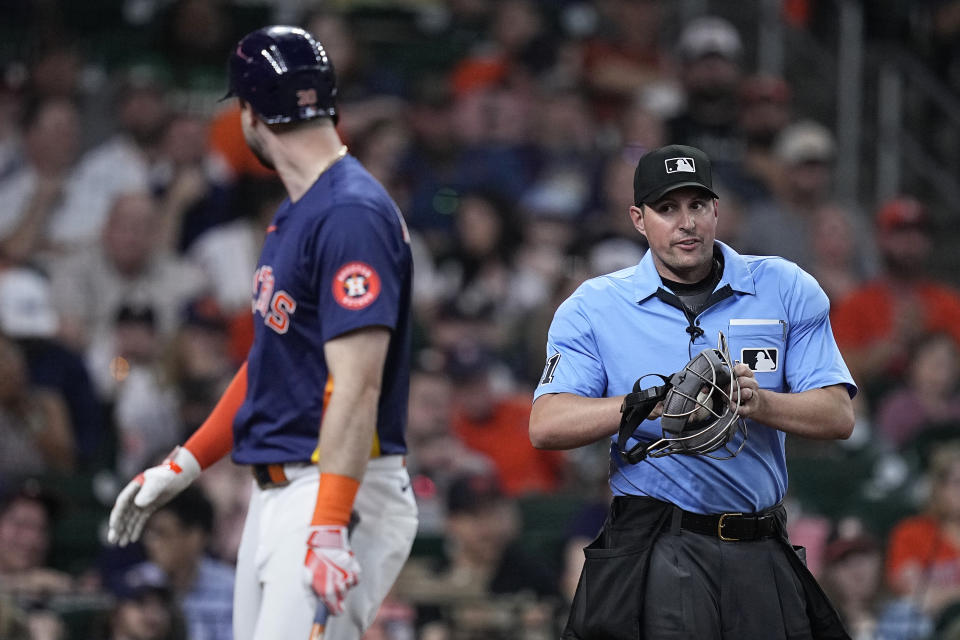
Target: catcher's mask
(699, 416)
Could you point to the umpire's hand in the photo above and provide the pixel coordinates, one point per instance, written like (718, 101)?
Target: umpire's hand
(148, 492)
(751, 401)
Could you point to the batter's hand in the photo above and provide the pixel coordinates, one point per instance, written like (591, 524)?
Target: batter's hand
(148, 492)
(750, 398)
(331, 567)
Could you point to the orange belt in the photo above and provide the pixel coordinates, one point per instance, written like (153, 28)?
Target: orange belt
(270, 476)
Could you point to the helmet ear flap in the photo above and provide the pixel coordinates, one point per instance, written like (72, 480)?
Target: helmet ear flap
(307, 94)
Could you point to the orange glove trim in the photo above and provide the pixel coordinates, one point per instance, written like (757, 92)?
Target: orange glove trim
(214, 438)
(335, 499)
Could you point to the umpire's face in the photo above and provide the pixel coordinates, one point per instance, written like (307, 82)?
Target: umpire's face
(680, 228)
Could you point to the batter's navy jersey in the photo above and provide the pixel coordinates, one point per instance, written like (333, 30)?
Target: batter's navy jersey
(336, 260)
(614, 328)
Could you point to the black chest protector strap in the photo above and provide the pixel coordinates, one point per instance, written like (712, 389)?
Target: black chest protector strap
(634, 410)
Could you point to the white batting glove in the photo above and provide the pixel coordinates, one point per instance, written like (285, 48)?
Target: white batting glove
(330, 566)
(148, 492)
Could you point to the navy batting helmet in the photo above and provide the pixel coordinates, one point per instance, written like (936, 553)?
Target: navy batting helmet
(285, 75)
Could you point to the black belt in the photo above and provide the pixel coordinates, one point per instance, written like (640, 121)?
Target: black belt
(726, 526)
(730, 526)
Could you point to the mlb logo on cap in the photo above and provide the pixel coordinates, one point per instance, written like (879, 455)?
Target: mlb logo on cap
(680, 164)
(672, 167)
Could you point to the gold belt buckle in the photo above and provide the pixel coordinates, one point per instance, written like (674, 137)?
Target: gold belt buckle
(723, 517)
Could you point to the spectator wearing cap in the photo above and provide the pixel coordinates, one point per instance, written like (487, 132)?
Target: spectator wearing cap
(128, 370)
(28, 317)
(878, 325)
(785, 224)
(144, 608)
(481, 562)
(494, 422)
(807, 144)
(853, 577)
(710, 52)
(482, 522)
(27, 513)
(176, 539)
(198, 360)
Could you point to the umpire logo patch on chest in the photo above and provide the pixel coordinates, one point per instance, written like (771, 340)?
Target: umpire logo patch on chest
(762, 359)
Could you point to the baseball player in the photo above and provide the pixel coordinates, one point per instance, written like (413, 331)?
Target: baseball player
(331, 355)
(693, 546)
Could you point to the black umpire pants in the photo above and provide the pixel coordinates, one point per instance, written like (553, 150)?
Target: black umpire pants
(703, 587)
(646, 577)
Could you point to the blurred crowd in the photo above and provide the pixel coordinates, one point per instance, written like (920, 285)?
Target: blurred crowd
(131, 217)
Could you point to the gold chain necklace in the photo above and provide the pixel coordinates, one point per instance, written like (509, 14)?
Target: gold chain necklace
(340, 155)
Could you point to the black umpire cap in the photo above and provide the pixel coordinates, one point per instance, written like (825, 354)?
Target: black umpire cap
(667, 168)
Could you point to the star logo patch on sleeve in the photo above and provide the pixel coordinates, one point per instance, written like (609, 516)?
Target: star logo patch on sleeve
(356, 285)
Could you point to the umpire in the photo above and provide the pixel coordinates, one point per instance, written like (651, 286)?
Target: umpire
(694, 546)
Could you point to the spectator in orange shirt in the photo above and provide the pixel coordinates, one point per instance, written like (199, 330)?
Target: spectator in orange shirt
(226, 140)
(624, 53)
(517, 46)
(878, 324)
(923, 557)
(494, 423)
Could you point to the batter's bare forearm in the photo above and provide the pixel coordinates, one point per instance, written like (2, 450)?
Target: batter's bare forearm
(568, 421)
(356, 362)
(347, 430)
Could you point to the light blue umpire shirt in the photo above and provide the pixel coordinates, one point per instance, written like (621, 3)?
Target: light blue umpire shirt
(617, 327)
